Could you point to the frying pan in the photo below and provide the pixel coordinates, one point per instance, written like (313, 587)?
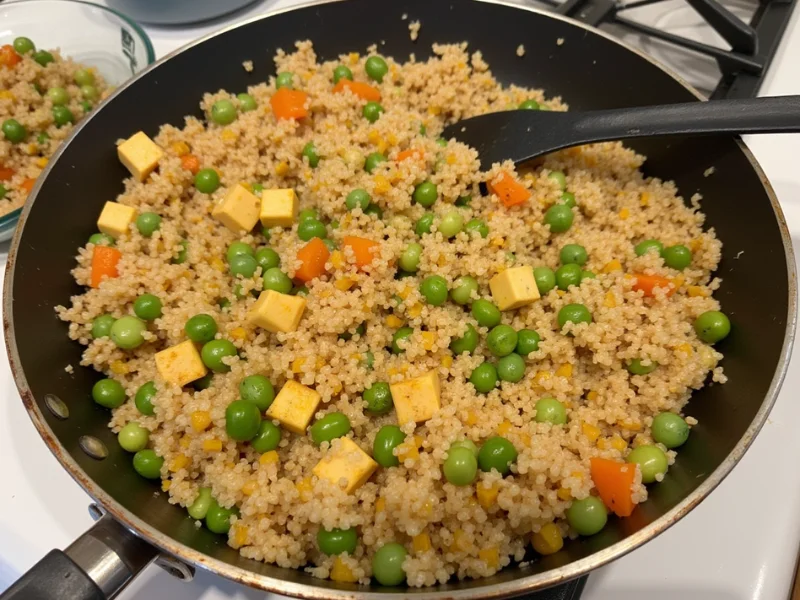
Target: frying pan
(590, 70)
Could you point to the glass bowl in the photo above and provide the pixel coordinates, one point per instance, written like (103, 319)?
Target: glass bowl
(87, 33)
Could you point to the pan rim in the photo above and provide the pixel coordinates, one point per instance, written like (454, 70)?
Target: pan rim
(522, 585)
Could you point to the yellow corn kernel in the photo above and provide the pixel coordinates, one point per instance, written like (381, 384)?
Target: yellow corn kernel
(617, 443)
(240, 535)
(498, 242)
(487, 496)
(41, 162)
(337, 259)
(249, 488)
(696, 291)
(434, 110)
(212, 445)
(631, 426)
(119, 367)
(685, 348)
(421, 543)
(165, 484)
(503, 428)
(678, 281)
(382, 185)
(547, 540)
(610, 300)
(590, 431)
(179, 462)
(414, 311)
(603, 444)
(442, 260)
(268, 458)
(696, 244)
(341, 572)
(624, 214)
(229, 135)
(542, 376)
(409, 449)
(393, 371)
(184, 442)
(31, 149)
(304, 488)
(644, 199)
(612, 266)
(451, 159)
(591, 396)
(405, 292)
(380, 505)
(217, 264)
(460, 541)
(7, 95)
(471, 419)
(180, 148)
(447, 361)
(238, 333)
(564, 494)
(297, 365)
(353, 56)
(374, 137)
(491, 556)
(577, 474)
(564, 370)
(392, 138)
(200, 419)
(394, 322)
(428, 339)
(281, 169)
(343, 284)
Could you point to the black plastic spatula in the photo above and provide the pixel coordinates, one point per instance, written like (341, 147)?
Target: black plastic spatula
(520, 135)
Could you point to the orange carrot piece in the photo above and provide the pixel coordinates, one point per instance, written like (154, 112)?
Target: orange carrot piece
(104, 263)
(28, 184)
(363, 249)
(289, 104)
(312, 257)
(9, 56)
(647, 283)
(410, 153)
(6, 173)
(191, 163)
(510, 191)
(613, 481)
(362, 90)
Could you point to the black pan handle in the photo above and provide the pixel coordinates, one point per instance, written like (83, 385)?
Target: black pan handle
(97, 566)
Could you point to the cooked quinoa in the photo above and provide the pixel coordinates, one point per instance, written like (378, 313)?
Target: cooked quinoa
(46, 94)
(353, 310)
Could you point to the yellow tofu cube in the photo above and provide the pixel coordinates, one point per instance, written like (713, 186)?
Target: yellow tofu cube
(278, 208)
(416, 399)
(238, 210)
(140, 155)
(277, 312)
(514, 288)
(345, 460)
(115, 219)
(294, 406)
(180, 364)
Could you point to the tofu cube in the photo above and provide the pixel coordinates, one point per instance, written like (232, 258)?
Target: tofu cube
(140, 155)
(416, 399)
(294, 406)
(115, 219)
(238, 210)
(277, 312)
(278, 208)
(180, 364)
(346, 460)
(514, 288)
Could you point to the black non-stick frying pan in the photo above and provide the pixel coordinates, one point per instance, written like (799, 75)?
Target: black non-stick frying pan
(590, 71)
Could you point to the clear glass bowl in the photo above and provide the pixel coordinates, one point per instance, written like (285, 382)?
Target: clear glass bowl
(87, 33)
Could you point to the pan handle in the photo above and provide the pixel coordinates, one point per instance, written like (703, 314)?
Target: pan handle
(96, 566)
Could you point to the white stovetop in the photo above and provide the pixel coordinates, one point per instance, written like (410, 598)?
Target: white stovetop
(741, 543)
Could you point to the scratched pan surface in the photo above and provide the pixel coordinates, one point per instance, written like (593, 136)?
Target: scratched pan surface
(590, 71)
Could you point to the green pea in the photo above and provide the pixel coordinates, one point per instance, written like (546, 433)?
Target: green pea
(462, 290)
(267, 258)
(246, 102)
(348, 335)
(568, 199)
(238, 249)
(311, 154)
(337, 541)
(89, 93)
(223, 112)
(677, 257)
(300, 291)
(464, 200)
(242, 420)
(529, 105)
(425, 194)
(567, 276)
(587, 516)
(573, 313)
(58, 96)
(330, 427)
(399, 335)
(201, 328)
(101, 326)
(550, 410)
(284, 80)
(14, 131)
(559, 217)
(368, 360)
(218, 519)
(646, 246)
(108, 393)
(43, 57)
(545, 279)
(86, 106)
(527, 342)
(267, 438)
(511, 368)
(342, 72)
(424, 224)
(358, 198)
(478, 225)
(466, 343)
(374, 209)
(62, 116)
(485, 313)
(257, 390)
(376, 68)
(434, 289)
(133, 437)
(373, 160)
(451, 224)
(460, 467)
(126, 332)
(501, 340)
(378, 398)
(148, 464)
(214, 351)
(466, 444)
(635, 367)
(386, 440)
(183, 252)
(559, 178)
(277, 280)
(23, 45)
(387, 564)
(148, 223)
(441, 142)
(497, 453)
(484, 377)
(573, 254)
(84, 77)
(147, 307)
(144, 398)
(101, 239)
(307, 214)
(712, 326)
(311, 228)
(257, 189)
(651, 460)
(409, 259)
(244, 265)
(199, 507)
(204, 382)
(3, 191)
(670, 429)
(372, 111)
(206, 181)
(587, 275)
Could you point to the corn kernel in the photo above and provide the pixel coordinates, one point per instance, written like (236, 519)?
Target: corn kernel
(238, 333)
(696, 244)
(421, 543)
(610, 300)
(200, 419)
(491, 556)
(678, 281)
(414, 311)
(119, 367)
(590, 431)
(631, 426)
(7, 95)
(498, 242)
(548, 539)
(434, 110)
(353, 56)
(428, 339)
(229, 135)
(297, 365)
(471, 419)
(341, 572)
(166, 484)
(41, 162)
(617, 443)
(382, 185)
(603, 444)
(179, 462)
(394, 322)
(564, 370)
(503, 428)
(344, 284)
(612, 266)
(392, 138)
(564, 494)
(268, 458)
(447, 361)
(249, 488)
(180, 148)
(374, 137)
(624, 214)
(591, 396)
(460, 541)
(184, 442)
(337, 259)
(217, 264)
(380, 505)
(281, 169)
(685, 348)
(525, 438)
(409, 449)
(487, 496)
(240, 535)
(451, 159)
(212, 445)
(696, 291)
(541, 377)
(644, 199)
(405, 292)
(304, 488)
